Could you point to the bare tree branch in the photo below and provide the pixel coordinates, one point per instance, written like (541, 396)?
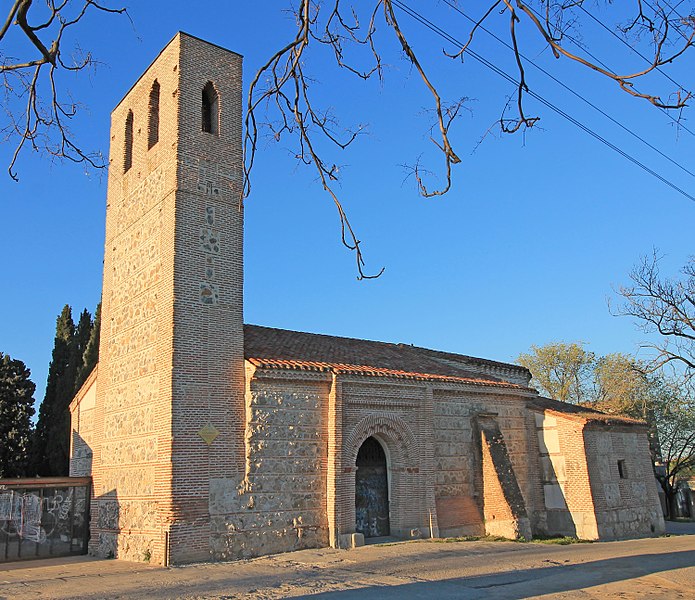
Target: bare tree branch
(624, 81)
(664, 307)
(281, 98)
(282, 86)
(43, 122)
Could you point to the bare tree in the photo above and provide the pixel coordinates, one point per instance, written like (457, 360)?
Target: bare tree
(673, 410)
(31, 81)
(282, 88)
(665, 307)
(281, 98)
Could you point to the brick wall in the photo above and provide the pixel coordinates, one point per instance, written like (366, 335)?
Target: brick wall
(132, 436)
(396, 414)
(171, 353)
(208, 368)
(584, 494)
(82, 413)
(460, 486)
(196, 454)
(568, 502)
(304, 431)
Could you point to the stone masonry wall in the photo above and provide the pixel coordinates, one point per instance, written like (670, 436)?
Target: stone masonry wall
(458, 475)
(459, 486)
(132, 437)
(82, 424)
(169, 414)
(627, 506)
(281, 503)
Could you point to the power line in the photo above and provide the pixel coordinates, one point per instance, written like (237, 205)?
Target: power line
(673, 10)
(597, 60)
(635, 50)
(427, 23)
(573, 92)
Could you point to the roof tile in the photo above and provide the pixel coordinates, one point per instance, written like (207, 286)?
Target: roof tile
(267, 347)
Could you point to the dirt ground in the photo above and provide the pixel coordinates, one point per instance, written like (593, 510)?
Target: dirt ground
(645, 569)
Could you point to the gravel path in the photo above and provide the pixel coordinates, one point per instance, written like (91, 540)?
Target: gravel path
(644, 569)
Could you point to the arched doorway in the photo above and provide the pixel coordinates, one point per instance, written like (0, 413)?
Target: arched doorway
(371, 490)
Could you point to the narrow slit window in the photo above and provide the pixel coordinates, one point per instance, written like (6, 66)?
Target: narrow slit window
(211, 105)
(622, 469)
(153, 121)
(128, 153)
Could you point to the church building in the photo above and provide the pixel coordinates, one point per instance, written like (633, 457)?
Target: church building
(210, 439)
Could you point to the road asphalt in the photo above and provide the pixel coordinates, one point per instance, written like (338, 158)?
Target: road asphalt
(647, 568)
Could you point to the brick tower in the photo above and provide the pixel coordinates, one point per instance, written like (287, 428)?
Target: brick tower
(168, 424)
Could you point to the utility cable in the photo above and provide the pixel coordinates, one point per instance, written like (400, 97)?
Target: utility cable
(673, 10)
(597, 60)
(635, 50)
(573, 92)
(434, 28)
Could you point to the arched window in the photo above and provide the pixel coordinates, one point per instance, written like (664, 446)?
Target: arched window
(211, 109)
(128, 153)
(153, 120)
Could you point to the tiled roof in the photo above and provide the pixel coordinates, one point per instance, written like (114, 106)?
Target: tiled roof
(282, 349)
(582, 412)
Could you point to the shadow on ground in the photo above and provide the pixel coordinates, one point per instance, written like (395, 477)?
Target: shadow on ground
(513, 585)
(680, 527)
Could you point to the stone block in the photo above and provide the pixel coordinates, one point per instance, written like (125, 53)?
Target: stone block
(554, 496)
(548, 441)
(612, 494)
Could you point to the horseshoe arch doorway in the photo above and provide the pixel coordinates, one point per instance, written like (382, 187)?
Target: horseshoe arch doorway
(372, 490)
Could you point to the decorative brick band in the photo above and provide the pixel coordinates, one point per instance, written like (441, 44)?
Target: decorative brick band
(393, 431)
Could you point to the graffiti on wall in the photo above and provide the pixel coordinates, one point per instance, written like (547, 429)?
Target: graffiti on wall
(35, 517)
(31, 517)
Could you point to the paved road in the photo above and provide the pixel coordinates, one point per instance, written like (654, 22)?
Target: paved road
(644, 569)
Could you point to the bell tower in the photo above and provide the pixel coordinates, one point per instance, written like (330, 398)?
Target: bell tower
(169, 416)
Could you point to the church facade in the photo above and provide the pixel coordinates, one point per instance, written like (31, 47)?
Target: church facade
(210, 439)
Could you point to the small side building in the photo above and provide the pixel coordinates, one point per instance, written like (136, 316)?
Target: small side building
(597, 474)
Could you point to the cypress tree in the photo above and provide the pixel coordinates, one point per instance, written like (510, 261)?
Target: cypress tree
(58, 446)
(91, 351)
(51, 444)
(16, 410)
(75, 353)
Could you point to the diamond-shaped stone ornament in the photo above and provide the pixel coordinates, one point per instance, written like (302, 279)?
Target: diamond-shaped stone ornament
(208, 433)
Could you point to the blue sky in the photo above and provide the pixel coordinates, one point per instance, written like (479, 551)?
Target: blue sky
(526, 249)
